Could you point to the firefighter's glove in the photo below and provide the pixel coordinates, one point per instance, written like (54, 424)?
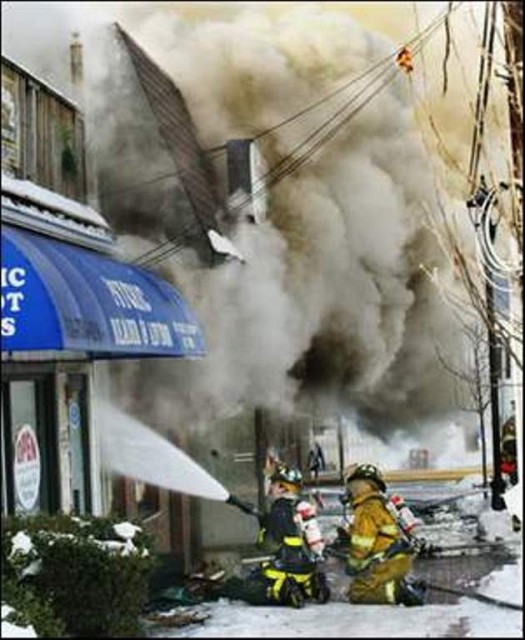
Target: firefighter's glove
(344, 498)
(425, 549)
(263, 520)
(419, 545)
(342, 534)
(354, 566)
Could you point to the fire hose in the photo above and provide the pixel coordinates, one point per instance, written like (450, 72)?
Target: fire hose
(436, 587)
(245, 507)
(423, 549)
(475, 596)
(431, 550)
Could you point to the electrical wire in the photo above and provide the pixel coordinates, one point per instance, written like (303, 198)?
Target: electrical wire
(432, 26)
(485, 70)
(169, 246)
(495, 261)
(180, 172)
(289, 164)
(272, 178)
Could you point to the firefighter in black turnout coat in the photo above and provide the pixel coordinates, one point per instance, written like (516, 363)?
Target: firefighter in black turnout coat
(290, 533)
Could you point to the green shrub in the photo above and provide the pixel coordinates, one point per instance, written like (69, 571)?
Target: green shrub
(96, 585)
(31, 609)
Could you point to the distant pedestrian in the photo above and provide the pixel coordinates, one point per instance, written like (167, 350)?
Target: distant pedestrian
(509, 460)
(509, 466)
(316, 461)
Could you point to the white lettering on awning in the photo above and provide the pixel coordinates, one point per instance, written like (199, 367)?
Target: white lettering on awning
(127, 331)
(127, 295)
(13, 277)
(159, 334)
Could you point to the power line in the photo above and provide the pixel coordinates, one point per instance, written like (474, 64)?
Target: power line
(485, 69)
(175, 245)
(143, 258)
(380, 62)
(295, 164)
(272, 176)
(265, 183)
(289, 157)
(277, 173)
(222, 148)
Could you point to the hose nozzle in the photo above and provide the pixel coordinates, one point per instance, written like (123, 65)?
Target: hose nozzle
(246, 507)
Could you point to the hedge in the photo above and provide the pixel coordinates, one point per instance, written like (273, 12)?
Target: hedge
(79, 576)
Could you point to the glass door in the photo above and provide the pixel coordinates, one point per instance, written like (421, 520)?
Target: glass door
(79, 443)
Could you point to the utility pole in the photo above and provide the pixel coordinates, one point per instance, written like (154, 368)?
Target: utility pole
(484, 199)
(498, 486)
(513, 35)
(340, 443)
(513, 26)
(481, 200)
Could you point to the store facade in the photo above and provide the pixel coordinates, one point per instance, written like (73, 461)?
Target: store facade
(70, 306)
(65, 306)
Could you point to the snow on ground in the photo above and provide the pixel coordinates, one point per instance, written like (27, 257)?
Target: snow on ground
(333, 620)
(10, 630)
(468, 618)
(13, 631)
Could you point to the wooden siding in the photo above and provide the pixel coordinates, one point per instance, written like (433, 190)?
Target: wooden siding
(50, 133)
(176, 128)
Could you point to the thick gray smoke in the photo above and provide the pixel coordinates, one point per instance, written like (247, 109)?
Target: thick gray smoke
(332, 310)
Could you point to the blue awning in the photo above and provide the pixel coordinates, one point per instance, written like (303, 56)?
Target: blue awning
(56, 296)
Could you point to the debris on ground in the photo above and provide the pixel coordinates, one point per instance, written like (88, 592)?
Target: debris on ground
(179, 617)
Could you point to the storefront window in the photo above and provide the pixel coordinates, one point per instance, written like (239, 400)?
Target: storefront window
(27, 463)
(28, 447)
(147, 498)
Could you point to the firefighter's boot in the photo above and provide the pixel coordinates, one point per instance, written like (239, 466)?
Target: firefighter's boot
(410, 594)
(320, 589)
(291, 594)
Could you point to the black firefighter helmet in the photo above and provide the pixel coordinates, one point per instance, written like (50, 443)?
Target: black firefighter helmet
(287, 474)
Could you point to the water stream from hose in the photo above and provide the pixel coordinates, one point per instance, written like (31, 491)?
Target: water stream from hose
(134, 450)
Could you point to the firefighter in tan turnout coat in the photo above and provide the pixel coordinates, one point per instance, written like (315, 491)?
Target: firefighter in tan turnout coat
(380, 559)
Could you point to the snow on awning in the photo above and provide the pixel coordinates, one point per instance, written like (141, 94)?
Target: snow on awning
(32, 192)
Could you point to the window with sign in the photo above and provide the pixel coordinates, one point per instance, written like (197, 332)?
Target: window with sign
(30, 481)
